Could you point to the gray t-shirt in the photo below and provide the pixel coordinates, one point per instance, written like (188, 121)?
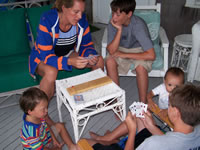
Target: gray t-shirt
(173, 141)
(136, 34)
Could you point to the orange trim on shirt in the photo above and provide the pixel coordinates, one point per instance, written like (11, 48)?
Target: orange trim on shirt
(45, 48)
(86, 31)
(85, 50)
(91, 43)
(43, 28)
(36, 48)
(56, 35)
(47, 57)
(60, 63)
(37, 60)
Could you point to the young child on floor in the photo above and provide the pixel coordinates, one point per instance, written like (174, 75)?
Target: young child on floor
(174, 77)
(35, 132)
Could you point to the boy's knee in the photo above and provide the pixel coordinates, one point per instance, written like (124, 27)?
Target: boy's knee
(110, 61)
(140, 69)
(100, 63)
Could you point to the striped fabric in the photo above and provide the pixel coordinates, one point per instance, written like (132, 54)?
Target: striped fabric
(66, 42)
(34, 136)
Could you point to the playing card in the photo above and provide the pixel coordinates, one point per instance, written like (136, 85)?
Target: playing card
(91, 56)
(132, 108)
(138, 108)
(78, 98)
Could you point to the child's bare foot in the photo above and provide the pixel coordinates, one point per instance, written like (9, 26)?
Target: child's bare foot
(73, 147)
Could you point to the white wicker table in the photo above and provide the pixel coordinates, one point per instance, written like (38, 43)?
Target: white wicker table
(107, 97)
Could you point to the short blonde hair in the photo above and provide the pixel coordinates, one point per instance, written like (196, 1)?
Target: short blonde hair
(67, 3)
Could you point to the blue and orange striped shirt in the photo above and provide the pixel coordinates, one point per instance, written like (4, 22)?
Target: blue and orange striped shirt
(47, 37)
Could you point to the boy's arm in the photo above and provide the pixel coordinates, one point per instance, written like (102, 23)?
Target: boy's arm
(150, 125)
(131, 124)
(151, 104)
(163, 113)
(146, 55)
(113, 46)
(150, 95)
(55, 142)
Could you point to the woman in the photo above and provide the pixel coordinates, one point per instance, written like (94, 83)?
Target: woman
(63, 41)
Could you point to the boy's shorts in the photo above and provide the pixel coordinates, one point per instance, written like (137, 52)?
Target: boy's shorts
(139, 138)
(99, 146)
(124, 64)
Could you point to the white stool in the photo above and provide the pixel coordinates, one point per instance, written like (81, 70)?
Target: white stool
(181, 51)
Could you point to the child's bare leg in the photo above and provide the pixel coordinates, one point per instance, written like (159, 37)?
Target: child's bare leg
(121, 130)
(65, 136)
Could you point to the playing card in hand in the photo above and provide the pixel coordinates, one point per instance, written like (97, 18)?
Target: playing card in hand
(138, 108)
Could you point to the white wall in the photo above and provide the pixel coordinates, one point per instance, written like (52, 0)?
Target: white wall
(101, 9)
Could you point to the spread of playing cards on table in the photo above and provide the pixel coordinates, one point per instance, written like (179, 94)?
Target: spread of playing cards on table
(78, 98)
(138, 108)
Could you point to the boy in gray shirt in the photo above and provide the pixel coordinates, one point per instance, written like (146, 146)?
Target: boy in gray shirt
(183, 112)
(129, 43)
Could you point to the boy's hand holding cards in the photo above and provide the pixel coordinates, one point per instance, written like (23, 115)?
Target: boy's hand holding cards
(138, 108)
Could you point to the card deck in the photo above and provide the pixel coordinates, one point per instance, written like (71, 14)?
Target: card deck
(91, 56)
(138, 108)
(78, 98)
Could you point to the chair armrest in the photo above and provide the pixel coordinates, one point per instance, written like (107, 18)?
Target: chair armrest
(104, 43)
(163, 38)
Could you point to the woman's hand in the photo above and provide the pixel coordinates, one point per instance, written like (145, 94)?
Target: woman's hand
(78, 62)
(93, 60)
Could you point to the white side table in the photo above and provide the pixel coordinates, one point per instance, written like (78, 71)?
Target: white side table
(97, 100)
(181, 51)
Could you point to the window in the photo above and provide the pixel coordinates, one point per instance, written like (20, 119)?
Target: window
(192, 3)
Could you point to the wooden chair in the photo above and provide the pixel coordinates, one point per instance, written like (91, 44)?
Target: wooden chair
(164, 120)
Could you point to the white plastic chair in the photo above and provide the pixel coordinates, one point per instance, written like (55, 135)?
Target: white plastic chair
(194, 62)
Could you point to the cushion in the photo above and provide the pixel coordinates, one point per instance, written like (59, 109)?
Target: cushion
(15, 76)
(34, 15)
(14, 39)
(152, 19)
(14, 58)
(159, 61)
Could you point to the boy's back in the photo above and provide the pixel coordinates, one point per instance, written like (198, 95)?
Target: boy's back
(173, 140)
